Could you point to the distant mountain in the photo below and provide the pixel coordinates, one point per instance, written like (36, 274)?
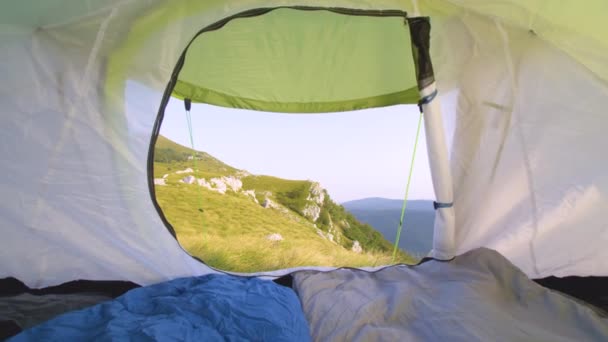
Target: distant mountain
(383, 214)
(379, 203)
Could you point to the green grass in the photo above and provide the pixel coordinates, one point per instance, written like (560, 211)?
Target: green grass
(231, 231)
(161, 169)
(290, 193)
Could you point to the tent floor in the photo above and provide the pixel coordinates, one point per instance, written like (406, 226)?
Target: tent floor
(22, 307)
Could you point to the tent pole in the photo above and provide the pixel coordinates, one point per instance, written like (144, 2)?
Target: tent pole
(444, 230)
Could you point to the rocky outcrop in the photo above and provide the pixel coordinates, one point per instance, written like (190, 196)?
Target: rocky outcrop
(218, 185)
(316, 194)
(357, 247)
(251, 193)
(333, 232)
(320, 233)
(275, 237)
(203, 182)
(315, 198)
(268, 203)
(188, 170)
(159, 181)
(331, 236)
(222, 184)
(233, 183)
(188, 179)
(312, 211)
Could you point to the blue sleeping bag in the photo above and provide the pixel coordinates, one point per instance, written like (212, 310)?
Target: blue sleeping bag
(207, 308)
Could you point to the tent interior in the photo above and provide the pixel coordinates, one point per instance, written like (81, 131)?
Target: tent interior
(520, 231)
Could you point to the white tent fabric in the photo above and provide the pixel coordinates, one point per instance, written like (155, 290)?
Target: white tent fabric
(529, 180)
(529, 177)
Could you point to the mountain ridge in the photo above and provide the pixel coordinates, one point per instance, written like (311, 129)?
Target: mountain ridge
(387, 203)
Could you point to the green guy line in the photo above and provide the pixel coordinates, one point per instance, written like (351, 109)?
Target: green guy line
(407, 188)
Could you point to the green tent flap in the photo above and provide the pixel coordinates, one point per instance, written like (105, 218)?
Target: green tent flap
(302, 61)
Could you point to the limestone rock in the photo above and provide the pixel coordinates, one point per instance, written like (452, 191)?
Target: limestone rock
(275, 237)
(159, 181)
(188, 170)
(330, 237)
(320, 233)
(312, 211)
(333, 234)
(218, 185)
(327, 236)
(188, 179)
(357, 247)
(268, 203)
(203, 182)
(316, 194)
(251, 193)
(233, 183)
(211, 186)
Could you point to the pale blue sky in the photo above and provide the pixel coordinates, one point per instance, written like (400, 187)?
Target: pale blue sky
(353, 155)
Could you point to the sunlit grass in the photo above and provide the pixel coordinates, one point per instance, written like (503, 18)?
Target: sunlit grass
(230, 232)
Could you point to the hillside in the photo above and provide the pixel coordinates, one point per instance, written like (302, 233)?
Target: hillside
(167, 152)
(237, 221)
(383, 214)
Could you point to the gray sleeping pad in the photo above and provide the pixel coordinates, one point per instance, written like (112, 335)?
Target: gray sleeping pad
(478, 296)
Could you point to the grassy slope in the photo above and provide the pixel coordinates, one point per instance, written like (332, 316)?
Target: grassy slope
(230, 233)
(291, 193)
(167, 152)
